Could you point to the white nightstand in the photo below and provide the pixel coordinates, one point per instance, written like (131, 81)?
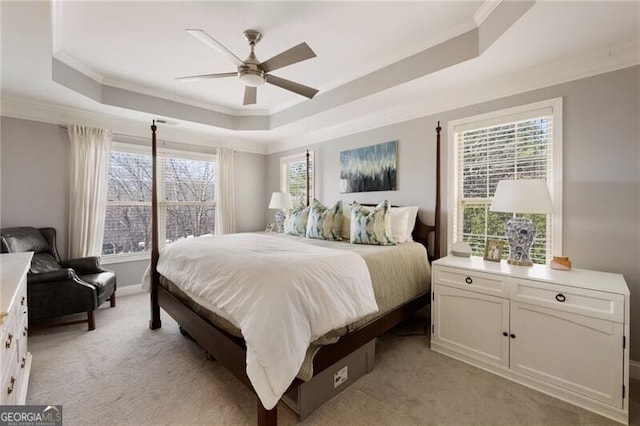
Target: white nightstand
(564, 333)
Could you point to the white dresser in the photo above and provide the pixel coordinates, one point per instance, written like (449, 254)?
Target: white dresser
(15, 361)
(564, 333)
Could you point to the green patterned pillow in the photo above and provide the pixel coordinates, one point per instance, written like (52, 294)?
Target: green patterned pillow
(296, 223)
(371, 226)
(325, 222)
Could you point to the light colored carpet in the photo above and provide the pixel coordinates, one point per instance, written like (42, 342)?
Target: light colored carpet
(124, 373)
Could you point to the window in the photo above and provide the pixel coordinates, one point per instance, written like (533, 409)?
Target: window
(293, 177)
(186, 198)
(518, 143)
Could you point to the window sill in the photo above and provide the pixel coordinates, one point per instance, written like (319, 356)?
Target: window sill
(124, 258)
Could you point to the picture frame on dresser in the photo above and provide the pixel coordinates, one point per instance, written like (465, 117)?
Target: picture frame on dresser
(493, 250)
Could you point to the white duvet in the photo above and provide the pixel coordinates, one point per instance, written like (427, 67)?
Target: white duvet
(282, 294)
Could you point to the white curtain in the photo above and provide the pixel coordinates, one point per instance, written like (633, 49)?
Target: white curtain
(90, 155)
(225, 193)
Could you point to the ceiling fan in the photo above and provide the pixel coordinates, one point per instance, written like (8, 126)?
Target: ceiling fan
(251, 71)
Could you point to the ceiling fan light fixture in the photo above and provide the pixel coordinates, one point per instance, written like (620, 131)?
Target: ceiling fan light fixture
(253, 78)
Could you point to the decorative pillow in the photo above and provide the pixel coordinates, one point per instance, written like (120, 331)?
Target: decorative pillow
(371, 226)
(296, 223)
(325, 223)
(403, 220)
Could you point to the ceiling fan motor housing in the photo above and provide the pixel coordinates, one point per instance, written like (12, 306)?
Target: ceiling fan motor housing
(250, 73)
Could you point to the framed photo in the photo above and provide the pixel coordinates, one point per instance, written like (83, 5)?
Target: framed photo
(493, 250)
(270, 227)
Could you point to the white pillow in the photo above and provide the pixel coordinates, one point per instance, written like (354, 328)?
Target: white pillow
(346, 221)
(403, 219)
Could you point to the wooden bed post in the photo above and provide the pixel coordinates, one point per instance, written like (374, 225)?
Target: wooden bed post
(155, 322)
(267, 417)
(307, 172)
(436, 238)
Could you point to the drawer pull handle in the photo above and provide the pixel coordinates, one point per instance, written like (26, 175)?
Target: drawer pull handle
(468, 280)
(23, 363)
(560, 297)
(10, 388)
(8, 342)
(25, 331)
(505, 334)
(513, 336)
(23, 300)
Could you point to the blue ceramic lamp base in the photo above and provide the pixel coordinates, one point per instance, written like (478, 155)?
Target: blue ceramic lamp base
(280, 218)
(520, 232)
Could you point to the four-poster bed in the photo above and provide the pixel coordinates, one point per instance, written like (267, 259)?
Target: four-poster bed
(231, 350)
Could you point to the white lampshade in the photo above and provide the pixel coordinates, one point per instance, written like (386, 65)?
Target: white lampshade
(522, 196)
(281, 200)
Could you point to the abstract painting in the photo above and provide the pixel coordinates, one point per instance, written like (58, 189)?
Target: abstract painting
(371, 168)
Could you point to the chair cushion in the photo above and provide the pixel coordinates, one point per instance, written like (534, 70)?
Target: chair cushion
(43, 262)
(104, 282)
(25, 238)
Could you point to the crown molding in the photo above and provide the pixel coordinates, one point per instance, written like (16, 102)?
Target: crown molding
(600, 61)
(29, 109)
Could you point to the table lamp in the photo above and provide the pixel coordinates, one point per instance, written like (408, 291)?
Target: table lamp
(281, 201)
(521, 196)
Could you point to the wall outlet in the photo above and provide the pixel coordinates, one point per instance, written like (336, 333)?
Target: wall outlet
(341, 376)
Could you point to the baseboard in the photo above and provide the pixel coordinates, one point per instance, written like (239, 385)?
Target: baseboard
(634, 369)
(129, 290)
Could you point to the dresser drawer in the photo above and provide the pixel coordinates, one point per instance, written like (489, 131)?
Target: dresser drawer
(9, 374)
(9, 335)
(9, 389)
(471, 280)
(597, 304)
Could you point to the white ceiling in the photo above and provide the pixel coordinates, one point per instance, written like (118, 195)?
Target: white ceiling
(140, 47)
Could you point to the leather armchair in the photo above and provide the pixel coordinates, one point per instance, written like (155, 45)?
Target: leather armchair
(54, 287)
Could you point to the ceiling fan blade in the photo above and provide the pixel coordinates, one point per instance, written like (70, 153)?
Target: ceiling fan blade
(190, 78)
(297, 53)
(250, 95)
(292, 86)
(215, 44)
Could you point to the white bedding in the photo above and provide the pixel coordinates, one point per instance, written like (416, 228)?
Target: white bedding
(282, 294)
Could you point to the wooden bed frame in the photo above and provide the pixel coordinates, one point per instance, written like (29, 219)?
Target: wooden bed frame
(230, 351)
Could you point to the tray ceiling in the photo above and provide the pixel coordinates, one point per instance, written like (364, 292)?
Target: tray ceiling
(374, 59)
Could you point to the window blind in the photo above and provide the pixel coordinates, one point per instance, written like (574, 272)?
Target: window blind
(518, 149)
(294, 177)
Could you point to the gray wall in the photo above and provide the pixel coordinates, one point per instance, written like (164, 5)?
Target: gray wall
(601, 183)
(35, 176)
(34, 187)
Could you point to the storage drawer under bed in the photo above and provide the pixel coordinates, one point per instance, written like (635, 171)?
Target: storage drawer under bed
(325, 385)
